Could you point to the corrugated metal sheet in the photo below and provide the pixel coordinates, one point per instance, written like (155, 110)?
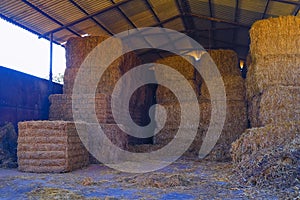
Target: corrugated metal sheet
(164, 9)
(218, 15)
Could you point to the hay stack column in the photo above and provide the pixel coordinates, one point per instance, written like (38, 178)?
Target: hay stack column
(236, 114)
(59, 135)
(273, 95)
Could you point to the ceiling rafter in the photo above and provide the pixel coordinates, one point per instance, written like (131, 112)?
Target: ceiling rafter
(153, 12)
(92, 18)
(265, 10)
(236, 16)
(287, 2)
(129, 21)
(296, 11)
(48, 16)
(211, 34)
(86, 17)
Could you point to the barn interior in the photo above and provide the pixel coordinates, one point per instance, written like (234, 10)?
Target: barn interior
(254, 96)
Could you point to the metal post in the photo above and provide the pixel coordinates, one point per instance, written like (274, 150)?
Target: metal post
(51, 57)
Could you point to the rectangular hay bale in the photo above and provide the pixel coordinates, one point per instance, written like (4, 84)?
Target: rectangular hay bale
(275, 104)
(43, 153)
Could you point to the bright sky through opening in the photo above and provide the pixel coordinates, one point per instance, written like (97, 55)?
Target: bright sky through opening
(23, 51)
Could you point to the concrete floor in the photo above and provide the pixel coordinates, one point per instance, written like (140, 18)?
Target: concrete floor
(184, 179)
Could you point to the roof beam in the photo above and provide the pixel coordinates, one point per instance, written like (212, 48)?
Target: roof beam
(296, 11)
(153, 12)
(93, 19)
(202, 17)
(288, 2)
(266, 9)
(128, 20)
(212, 24)
(184, 7)
(124, 15)
(48, 16)
(217, 20)
(225, 42)
(86, 17)
(236, 15)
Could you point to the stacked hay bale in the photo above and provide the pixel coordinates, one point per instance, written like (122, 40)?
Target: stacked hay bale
(236, 119)
(236, 114)
(50, 146)
(166, 98)
(273, 94)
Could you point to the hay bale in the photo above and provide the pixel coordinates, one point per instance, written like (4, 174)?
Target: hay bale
(164, 95)
(269, 156)
(97, 145)
(236, 115)
(78, 48)
(275, 36)
(275, 104)
(226, 61)
(8, 146)
(271, 71)
(50, 146)
(234, 88)
(105, 85)
(61, 108)
(270, 136)
(182, 66)
(235, 122)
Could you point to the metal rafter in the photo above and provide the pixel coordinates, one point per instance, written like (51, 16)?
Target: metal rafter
(153, 12)
(184, 7)
(225, 42)
(48, 16)
(86, 17)
(124, 15)
(93, 19)
(266, 9)
(129, 21)
(212, 24)
(288, 2)
(236, 15)
(296, 11)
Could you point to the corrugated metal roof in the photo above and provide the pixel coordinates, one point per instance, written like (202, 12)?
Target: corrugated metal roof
(214, 23)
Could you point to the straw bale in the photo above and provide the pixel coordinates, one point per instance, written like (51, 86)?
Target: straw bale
(173, 111)
(275, 36)
(41, 147)
(248, 60)
(220, 152)
(269, 136)
(78, 48)
(226, 61)
(236, 115)
(61, 108)
(42, 169)
(271, 71)
(234, 88)
(106, 82)
(42, 162)
(164, 95)
(276, 104)
(182, 66)
(269, 156)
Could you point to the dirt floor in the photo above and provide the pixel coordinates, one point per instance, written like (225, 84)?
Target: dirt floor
(184, 179)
